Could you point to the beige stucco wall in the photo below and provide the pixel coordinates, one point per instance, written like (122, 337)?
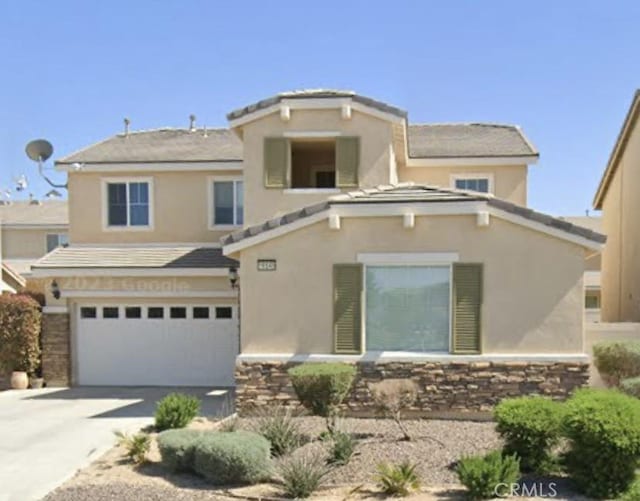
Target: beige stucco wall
(25, 244)
(375, 156)
(181, 207)
(621, 256)
(509, 181)
(533, 288)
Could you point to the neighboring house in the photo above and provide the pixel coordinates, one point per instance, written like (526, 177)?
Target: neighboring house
(592, 274)
(618, 199)
(29, 229)
(405, 248)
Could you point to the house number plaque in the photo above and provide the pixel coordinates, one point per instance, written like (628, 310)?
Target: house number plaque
(266, 265)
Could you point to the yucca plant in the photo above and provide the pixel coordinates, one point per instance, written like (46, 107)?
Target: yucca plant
(137, 446)
(398, 480)
(302, 475)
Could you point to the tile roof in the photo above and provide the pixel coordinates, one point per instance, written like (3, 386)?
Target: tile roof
(592, 222)
(135, 257)
(409, 192)
(45, 213)
(162, 145)
(468, 140)
(315, 94)
(13, 275)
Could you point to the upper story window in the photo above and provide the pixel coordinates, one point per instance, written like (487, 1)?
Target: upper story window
(311, 163)
(228, 202)
(475, 182)
(128, 203)
(55, 240)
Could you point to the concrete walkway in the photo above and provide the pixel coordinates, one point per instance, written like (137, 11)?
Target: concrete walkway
(47, 435)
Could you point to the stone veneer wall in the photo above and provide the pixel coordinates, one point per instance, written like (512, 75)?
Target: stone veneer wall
(56, 349)
(444, 387)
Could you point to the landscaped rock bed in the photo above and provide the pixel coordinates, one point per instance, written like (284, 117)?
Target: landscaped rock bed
(435, 446)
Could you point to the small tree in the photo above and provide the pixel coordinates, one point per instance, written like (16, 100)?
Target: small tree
(20, 326)
(392, 397)
(322, 387)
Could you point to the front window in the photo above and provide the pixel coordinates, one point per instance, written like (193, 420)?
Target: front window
(408, 308)
(592, 301)
(128, 204)
(55, 240)
(228, 203)
(313, 164)
(480, 184)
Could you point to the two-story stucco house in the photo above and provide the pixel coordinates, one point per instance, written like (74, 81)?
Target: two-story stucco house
(29, 229)
(405, 249)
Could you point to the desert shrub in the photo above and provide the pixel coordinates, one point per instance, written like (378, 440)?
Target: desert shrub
(301, 476)
(399, 479)
(343, 446)
(531, 426)
(176, 410)
(237, 457)
(631, 386)
(279, 427)
(322, 387)
(603, 427)
(392, 396)
(137, 446)
(177, 448)
(481, 475)
(229, 425)
(20, 327)
(617, 360)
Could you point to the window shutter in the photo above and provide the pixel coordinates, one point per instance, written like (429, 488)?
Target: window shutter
(347, 161)
(347, 308)
(467, 304)
(276, 161)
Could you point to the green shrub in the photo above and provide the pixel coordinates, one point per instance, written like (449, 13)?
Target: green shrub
(342, 449)
(302, 475)
(398, 480)
(279, 427)
(176, 410)
(177, 448)
(20, 327)
(633, 492)
(603, 427)
(631, 386)
(530, 426)
(322, 387)
(617, 360)
(137, 446)
(237, 457)
(482, 475)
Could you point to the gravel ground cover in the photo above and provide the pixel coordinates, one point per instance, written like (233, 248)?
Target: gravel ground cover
(435, 446)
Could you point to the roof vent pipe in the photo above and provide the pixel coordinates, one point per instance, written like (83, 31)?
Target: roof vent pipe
(126, 126)
(192, 122)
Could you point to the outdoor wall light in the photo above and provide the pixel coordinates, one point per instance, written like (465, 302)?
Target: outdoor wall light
(55, 290)
(233, 277)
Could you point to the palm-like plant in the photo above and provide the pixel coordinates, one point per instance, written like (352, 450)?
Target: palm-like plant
(398, 480)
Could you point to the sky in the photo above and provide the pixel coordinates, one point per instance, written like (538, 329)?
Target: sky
(70, 71)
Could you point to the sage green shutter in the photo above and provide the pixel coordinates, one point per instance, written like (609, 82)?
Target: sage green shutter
(347, 161)
(467, 305)
(276, 162)
(347, 308)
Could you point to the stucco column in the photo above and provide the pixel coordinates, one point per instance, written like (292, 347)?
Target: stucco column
(56, 349)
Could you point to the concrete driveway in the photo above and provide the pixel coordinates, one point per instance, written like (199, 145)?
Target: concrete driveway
(47, 435)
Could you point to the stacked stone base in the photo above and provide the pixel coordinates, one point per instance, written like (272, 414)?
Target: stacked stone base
(444, 388)
(56, 349)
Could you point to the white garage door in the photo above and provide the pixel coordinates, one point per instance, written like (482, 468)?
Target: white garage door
(152, 345)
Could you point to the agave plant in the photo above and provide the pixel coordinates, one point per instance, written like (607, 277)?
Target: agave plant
(398, 480)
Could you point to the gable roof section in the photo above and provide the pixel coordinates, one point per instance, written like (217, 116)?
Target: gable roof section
(405, 193)
(162, 145)
(621, 142)
(150, 258)
(12, 277)
(468, 140)
(29, 214)
(591, 222)
(315, 94)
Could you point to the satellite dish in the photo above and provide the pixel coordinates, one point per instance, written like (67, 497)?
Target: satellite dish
(39, 150)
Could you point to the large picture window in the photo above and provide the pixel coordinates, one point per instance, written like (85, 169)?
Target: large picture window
(408, 308)
(128, 204)
(228, 203)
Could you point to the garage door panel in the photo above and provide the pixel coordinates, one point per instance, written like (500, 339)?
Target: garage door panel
(156, 352)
